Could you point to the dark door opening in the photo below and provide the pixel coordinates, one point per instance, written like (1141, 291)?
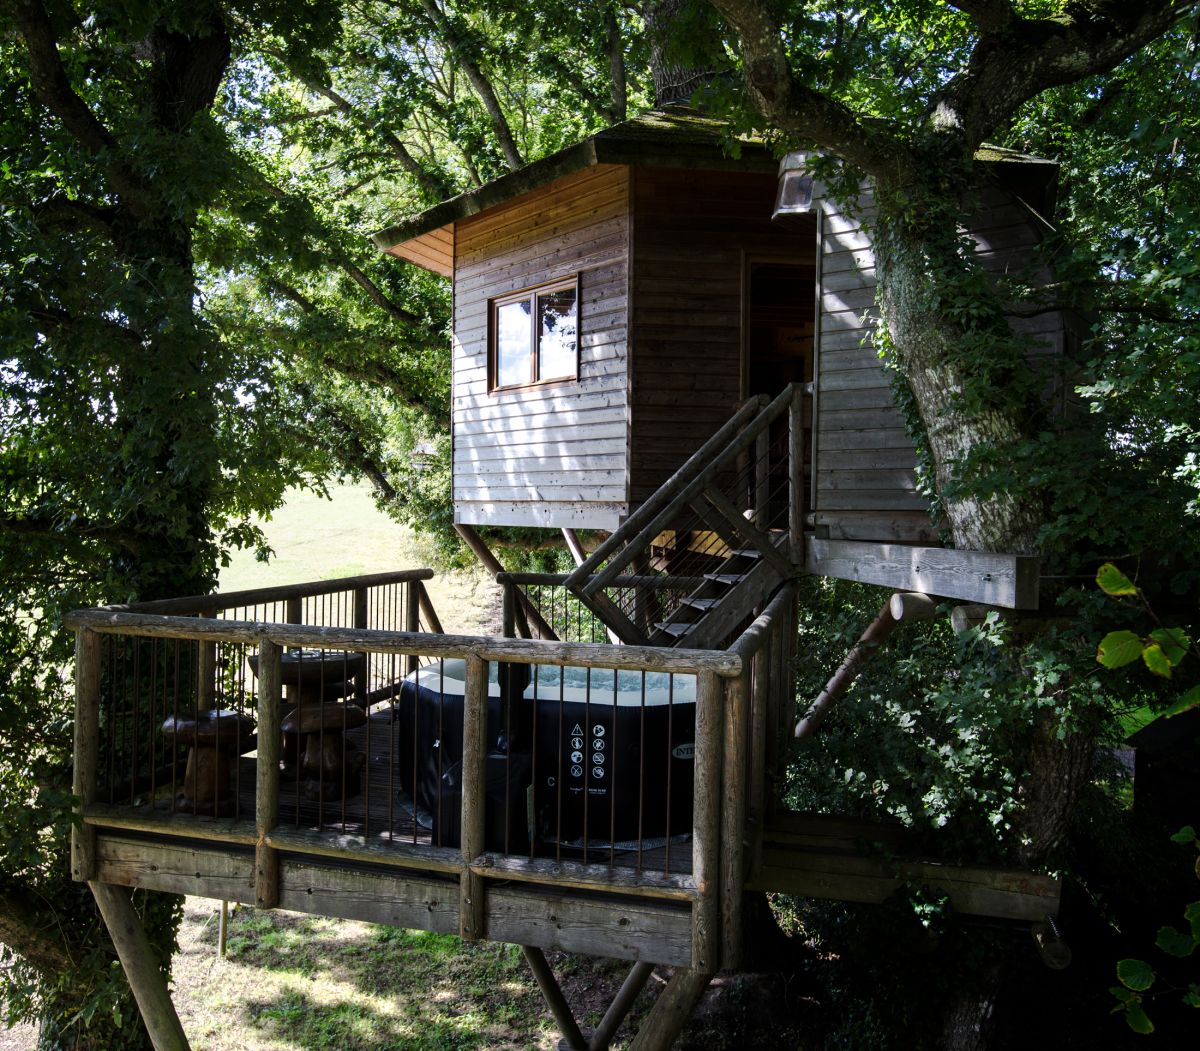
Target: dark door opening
(779, 325)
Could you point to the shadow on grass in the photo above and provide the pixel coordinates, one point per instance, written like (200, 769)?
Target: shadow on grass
(313, 982)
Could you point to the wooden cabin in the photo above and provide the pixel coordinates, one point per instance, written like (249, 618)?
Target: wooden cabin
(666, 297)
(638, 350)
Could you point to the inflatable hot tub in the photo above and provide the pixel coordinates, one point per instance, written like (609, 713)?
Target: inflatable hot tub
(574, 753)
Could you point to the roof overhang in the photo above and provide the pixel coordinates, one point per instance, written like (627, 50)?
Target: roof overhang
(676, 138)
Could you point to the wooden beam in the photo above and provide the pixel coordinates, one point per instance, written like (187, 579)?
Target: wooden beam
(733, 818)
(621, 1005)
(706, 821)
(87, 749)
(671, 1011)
(573, 1039)
(472, 908)
(266, 798)
(972, 576)
(140, 963)
(432, 623)
(492, 564)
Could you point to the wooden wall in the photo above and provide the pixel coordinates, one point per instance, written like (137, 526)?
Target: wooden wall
(691, 232)
(865, 487)
(552, 455)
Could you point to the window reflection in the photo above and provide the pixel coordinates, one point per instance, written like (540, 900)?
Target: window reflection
(557, 334)
(512, 344)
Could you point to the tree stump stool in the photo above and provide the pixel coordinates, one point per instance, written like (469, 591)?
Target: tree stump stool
(329, 763)
(312, 676)
(212, 738)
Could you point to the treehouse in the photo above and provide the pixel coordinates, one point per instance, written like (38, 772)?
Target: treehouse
(637, 350)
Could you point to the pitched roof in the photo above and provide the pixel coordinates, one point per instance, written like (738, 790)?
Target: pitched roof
(673, 137)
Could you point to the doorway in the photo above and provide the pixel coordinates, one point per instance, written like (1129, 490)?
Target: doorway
(777, 324)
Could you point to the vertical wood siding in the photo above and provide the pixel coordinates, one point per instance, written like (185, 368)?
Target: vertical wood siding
(691, 230)
(866, 487)
(554, 454)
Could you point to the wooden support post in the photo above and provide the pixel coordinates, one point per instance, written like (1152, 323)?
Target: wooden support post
(622, 1003)
(222, 929)
(733, 818)
(362, 617)
(471, 914)
(912, 605)
(796, 512)
(266, 798)
(412, 623)
(508, 623)
(574, 546)
(706, 819)
(141, 967)
(762, 478)
(492, 564)
(572, 1037)
(87, 750)
(760, 768)
(671, 1011)
(862, 651)
(206, 674)
(294, 611)
(432, 623)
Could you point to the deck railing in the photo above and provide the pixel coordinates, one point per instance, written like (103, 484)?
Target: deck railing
(452, 760)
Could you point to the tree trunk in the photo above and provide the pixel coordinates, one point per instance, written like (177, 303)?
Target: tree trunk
(676, 79)
(970, 382)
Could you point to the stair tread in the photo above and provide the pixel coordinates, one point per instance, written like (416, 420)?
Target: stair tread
(725, 578)
(672, 627)
(702, 603)
(746, 552)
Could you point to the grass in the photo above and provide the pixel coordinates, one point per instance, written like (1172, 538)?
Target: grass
(314, 538)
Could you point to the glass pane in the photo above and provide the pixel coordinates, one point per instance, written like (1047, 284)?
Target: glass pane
(557, 330)
(512, 344)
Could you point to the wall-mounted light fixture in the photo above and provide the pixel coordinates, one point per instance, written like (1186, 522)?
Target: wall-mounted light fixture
(794, 196)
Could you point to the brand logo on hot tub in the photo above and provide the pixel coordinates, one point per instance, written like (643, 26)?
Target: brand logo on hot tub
(687, 750)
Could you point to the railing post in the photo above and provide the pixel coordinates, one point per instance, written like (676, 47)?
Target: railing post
(508, 627)
(206, 674)
(362, 617)
(266, 797)
(706, 820)
(471, 913)
(762, 479)
(733, 817)
(796, 474)
(87, 750)
(760, 686)
(412, 623)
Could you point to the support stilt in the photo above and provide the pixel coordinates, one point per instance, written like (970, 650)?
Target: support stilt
(672, 1009)
(572, 1037)
(141, 968)
(661, 1026)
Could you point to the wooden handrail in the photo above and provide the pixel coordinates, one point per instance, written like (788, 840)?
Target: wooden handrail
(652, 524)
(694, 464)
(228, 600)
(370, 640)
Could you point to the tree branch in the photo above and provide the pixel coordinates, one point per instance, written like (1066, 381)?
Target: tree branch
(1020, 58)
(52, 526)
(54, 91)
(989, 15)
(35, 944)
(481, 84)
(437, 188)
(795, 109)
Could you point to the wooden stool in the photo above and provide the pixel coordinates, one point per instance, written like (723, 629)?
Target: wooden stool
(327, 760)
(212, 738)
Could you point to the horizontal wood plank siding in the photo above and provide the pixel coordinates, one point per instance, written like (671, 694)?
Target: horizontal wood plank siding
(865, 484)
(691, 231)
(556, 453)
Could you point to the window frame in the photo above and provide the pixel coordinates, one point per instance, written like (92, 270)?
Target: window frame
(530, 295)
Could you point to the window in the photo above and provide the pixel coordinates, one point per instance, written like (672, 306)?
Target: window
(534, 335)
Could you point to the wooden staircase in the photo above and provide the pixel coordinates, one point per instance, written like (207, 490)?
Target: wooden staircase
(723, 532)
